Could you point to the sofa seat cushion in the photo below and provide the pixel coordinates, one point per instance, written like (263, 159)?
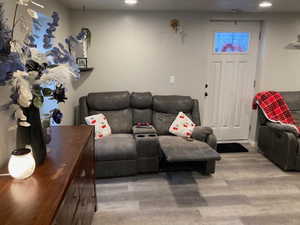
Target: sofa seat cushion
(178, 149)
(116, 147)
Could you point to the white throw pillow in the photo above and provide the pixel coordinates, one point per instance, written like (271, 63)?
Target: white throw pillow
(182, 126)
(100, 122)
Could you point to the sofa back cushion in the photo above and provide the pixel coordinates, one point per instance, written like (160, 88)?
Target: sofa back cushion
(172, 104)
(141, 104)
(141, 100)
(292, 99)
(108, 101)
(120, 121)
(166, 108)
(115, 106)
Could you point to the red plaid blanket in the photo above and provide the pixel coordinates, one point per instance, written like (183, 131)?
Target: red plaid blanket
(274, 108)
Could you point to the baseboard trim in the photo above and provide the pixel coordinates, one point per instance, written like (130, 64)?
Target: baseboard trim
(234, 141)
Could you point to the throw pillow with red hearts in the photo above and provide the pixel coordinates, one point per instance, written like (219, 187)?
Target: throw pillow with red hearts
(100, 122)
(182, 126)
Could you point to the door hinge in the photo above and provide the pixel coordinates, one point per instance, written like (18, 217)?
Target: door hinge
(254, 84)
(250, 128)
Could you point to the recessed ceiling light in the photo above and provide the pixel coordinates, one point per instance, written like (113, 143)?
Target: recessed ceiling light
(131, 2)
(265, 4)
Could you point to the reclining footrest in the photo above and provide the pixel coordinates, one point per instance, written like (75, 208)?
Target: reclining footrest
(180, 150)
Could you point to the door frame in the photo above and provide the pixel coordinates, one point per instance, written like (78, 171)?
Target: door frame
(257, 75)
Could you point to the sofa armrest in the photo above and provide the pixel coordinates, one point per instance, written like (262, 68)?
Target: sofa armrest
(143, 130)
(147, 145)
(83, 110)
(292, 151)
(212, 141)
(205, 134)
(285, 150)
(282, 128)
(202, 133)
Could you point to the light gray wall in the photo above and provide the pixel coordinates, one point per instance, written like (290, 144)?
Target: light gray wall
(280, 62)
(8, 138)
(138, 51)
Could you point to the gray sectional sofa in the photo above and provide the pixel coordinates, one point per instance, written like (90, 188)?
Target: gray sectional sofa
(280, 143)
(131, 150)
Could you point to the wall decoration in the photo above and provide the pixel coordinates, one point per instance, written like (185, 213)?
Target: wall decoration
(82, 63)
(86, 41)
(175, 24)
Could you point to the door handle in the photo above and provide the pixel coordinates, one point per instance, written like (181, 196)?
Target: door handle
(205, 94)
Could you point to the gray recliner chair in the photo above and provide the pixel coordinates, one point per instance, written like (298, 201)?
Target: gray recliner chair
(131, 150)
(281, 143)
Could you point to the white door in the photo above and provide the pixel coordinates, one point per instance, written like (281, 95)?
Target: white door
(231, 74)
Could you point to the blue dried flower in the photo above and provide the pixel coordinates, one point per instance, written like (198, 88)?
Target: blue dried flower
(47, 42)
(50, 30)
(5, 69)
(9, 65)
(59, 56)
(81, 35)
(55, 18)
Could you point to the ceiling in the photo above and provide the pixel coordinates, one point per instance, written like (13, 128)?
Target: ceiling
(194, 5)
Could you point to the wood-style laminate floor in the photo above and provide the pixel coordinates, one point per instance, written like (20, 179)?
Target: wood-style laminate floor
(247, 189)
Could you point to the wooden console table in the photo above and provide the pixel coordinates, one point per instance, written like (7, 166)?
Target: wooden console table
(61, 191)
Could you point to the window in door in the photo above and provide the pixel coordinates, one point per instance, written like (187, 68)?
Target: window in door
(231, 42)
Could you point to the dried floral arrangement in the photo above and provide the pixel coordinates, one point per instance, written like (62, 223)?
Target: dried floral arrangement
(28, 71)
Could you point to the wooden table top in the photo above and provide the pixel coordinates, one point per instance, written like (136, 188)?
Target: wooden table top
(34, 201)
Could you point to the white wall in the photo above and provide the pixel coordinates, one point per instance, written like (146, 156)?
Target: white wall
(7, 139)
(138, 51)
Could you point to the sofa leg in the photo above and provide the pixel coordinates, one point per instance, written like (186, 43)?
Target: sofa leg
(210, 167)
